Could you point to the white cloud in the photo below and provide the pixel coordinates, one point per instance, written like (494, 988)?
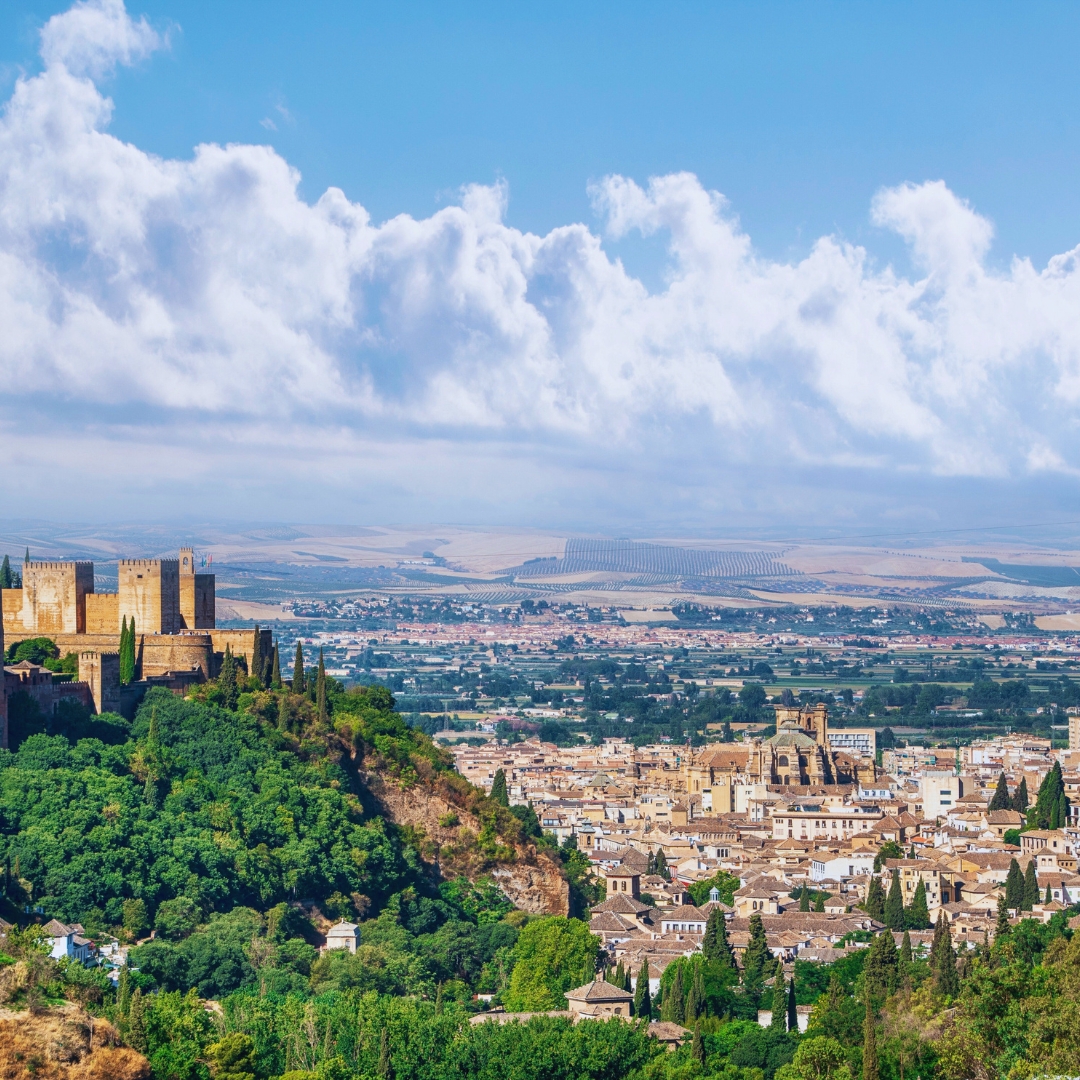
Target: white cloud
(202, 304)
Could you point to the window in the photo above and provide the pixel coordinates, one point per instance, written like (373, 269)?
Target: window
(782, 760)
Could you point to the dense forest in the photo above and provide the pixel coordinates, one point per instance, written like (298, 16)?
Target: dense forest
(231, 823)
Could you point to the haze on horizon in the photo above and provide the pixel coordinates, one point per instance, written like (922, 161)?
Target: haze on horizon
(196, 334)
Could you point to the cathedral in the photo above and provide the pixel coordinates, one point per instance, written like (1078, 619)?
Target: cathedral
(798, 755)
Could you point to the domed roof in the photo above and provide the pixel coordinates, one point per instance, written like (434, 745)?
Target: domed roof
(791, 735)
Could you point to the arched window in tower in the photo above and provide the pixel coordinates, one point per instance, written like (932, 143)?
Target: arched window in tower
(782, 761)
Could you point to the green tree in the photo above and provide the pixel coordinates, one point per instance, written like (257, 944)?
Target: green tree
(1014, 886)
(804, 899)
(134, 918)
(498, 788)
(894, 905)
(136, 1022)
(320, 692)
(917, 916)
(283, 713)
(1003, 925)
(1049, 898)
(232, 1058)
(756, 956)
(874, 905)
(870, 1068)
(1031, 887)
(230, 692)
(673, 1004)
(642, 997)
(275, 670)
(386, 1070)
(792, 1007)
(1002, 800)
(257, 657)
(1051, 805)
(552, 955)
(1020, 799)
(943, 959)
(127, 651)
(697, 1047)
(123, 991)
(779, 1001)
(880, 969)
(661, 867)
(819, 903)
(6, 579)
(298, 670)
(715, 947)
(817, 1058)
(906, 955)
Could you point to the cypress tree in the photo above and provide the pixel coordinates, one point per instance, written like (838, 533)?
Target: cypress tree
(792, 1007)
(298, 670)
(627, 985)
(127, 651)
(1051, 805)
(123, 991)
(894, 906)
(819, 903)
(1031, 887)
(283, 713)
(1020, 799)
(906, 955)
(690, 1014)
(661, 865)
(874, 906)
(917, 916)
(1003, 925)
(804, 899)
(946, 978)
(880, 969)
(697, 1047)
(257, 656)
(26, 560)
(386, 1070)
(673, 1007)
(1002, 800)
(642, 997)
(756, 956)
(6, 580)
(715, 946)
(136, 1022)
(1014, 886)
(498, 788)
(275, 671)
(1049, 899)
(779, 1002)
(870, 1070)
(227, 679)
(320, 691)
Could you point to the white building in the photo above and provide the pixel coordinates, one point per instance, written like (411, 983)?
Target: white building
(837, 867)
(941, 791)
(345, 935)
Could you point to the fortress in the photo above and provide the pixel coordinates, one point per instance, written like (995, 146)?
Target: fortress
(172, 606)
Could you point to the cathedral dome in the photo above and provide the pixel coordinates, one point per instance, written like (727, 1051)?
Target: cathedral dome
(792, 735)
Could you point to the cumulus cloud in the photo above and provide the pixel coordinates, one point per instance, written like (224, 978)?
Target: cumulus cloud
(200, 303)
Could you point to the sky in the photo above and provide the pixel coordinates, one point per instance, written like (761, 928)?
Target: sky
(625, 268)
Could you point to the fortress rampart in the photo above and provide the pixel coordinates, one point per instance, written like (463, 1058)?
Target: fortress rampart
(173, 609)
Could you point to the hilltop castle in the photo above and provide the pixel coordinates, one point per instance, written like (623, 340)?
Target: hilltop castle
(170, 603)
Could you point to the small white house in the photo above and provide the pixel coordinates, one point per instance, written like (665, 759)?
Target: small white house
(344, 935)
(67, 941)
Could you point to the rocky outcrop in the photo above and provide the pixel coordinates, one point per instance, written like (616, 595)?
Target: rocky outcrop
(65, 1044)
(445, 835)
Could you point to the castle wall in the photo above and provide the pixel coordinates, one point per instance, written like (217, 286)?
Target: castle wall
(12, 608)
(149, 592)
(101, 672)
(242, 643)
(53, 597)
(102, 613)
(166, 653)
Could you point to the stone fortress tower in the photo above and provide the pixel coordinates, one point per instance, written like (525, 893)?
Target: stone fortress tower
(170, 602)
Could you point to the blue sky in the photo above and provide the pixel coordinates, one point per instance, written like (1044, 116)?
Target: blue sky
(799, 115)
